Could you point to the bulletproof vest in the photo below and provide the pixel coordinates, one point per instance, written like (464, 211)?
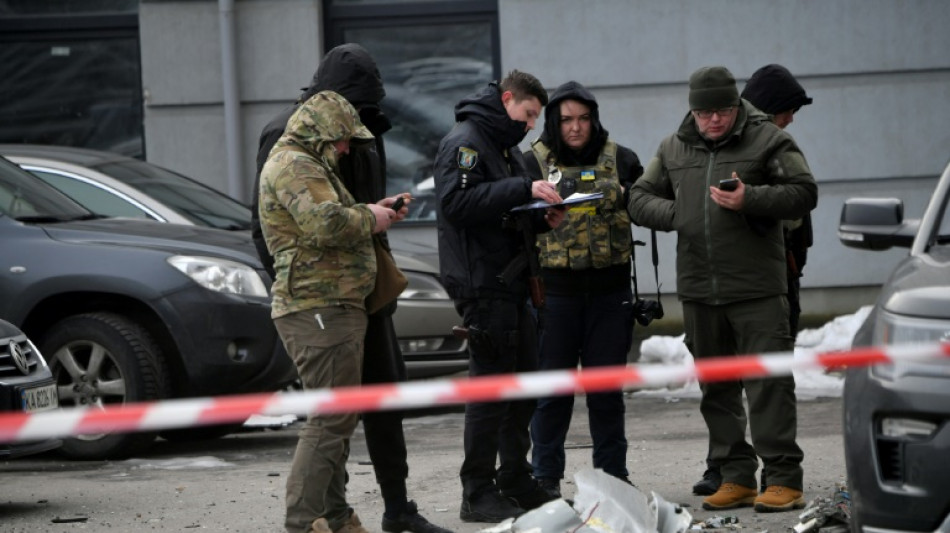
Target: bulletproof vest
(594, 234)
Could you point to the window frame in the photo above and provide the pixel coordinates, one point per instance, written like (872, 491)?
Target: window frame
(340, 17)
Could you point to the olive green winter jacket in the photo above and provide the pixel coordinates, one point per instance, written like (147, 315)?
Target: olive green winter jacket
(725, 256)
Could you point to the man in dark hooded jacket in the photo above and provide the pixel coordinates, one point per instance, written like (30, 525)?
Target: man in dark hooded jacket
(585, 264)
(480, 176)
(351, 71)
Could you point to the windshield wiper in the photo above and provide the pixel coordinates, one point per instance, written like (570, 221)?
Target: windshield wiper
(52, 219)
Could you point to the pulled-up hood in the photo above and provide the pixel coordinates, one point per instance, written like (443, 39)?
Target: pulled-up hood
(321, 121)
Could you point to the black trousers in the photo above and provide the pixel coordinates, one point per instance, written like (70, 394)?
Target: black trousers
(503, 339)
(385, 441)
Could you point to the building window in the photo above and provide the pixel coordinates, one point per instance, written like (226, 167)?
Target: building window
(71, 79)
(430, 54)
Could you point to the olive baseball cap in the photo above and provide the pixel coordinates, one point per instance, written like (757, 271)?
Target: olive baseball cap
(712, 88)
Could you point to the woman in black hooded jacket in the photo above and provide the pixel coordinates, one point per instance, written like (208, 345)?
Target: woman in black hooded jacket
(585, 264)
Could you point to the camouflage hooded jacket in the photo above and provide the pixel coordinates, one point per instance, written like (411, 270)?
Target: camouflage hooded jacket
(321, 239)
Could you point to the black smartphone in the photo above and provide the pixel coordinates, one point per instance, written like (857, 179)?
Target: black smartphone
(730, 184)
(397, 205)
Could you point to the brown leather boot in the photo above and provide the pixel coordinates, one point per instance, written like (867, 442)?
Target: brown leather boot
(777, 498)
(730, 496)
(320, 525)
(353, 525)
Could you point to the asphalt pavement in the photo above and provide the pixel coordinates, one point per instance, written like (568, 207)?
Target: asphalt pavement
(236, 483)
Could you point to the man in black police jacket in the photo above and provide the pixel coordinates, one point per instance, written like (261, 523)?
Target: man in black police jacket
(480, 176)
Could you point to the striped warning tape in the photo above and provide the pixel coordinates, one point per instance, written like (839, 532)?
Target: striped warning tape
(170, 414)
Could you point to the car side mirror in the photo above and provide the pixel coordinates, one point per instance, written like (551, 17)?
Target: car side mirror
(875, 224)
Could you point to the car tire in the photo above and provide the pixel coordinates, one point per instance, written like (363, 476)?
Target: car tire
(101, 359)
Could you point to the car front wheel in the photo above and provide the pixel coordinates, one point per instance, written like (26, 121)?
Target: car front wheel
(102, 359)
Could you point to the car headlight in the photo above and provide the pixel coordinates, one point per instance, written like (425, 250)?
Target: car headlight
(892, 328)
(423, 287)
(899, 329)
(220, 275)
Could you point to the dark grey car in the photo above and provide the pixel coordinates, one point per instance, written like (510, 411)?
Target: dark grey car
(897, 416)
(118, 186)
(134, 311)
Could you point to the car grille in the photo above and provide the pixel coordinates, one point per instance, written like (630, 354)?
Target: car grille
(7, 365)
(890, 459)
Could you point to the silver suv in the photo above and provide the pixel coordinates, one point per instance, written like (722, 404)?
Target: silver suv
(897, 416)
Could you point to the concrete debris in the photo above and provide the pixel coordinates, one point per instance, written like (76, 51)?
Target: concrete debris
(718, 522)
(827, 515)
(602, 504)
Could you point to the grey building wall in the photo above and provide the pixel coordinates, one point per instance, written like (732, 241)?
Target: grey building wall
(279, 44)
(877, 69)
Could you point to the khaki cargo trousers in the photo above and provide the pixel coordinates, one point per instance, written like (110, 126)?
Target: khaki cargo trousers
(326, 345)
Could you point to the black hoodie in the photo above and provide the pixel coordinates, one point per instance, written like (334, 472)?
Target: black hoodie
(774, 90)
(474, 194)
(351, 71)
(551, 136)
(628, 164)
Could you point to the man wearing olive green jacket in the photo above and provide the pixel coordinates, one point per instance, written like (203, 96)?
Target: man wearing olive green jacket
(731, 274)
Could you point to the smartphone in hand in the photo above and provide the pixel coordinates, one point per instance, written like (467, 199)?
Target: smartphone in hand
(397, 205)
(730, 184)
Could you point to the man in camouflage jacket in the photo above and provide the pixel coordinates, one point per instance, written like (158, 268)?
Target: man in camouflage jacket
(730, 274)
(326, 267)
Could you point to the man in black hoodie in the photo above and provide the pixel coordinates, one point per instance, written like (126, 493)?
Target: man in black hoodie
(350, 71)
(479, 177)
(585, 264)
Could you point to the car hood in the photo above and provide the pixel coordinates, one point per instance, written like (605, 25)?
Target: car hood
(172, 238)
(415, 247)
(8, 330)
(918, 287)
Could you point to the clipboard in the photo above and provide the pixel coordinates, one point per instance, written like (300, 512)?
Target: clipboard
(574, 199)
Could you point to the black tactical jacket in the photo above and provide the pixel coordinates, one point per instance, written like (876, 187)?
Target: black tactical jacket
(479, 176)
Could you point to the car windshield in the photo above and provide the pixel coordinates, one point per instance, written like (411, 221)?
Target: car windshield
(196, 202)
(25, 197)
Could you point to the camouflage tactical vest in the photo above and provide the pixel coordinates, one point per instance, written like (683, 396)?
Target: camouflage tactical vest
(592, 235)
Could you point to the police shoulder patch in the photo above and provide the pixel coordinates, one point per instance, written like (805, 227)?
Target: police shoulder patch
(467, 158)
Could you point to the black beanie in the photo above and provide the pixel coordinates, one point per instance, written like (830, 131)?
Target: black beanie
(774, 90)
(712, 88)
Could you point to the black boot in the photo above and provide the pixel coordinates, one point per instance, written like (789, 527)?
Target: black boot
(489, 506)
(550, 485)
(710, 482)
(535, 497)
(410, 520)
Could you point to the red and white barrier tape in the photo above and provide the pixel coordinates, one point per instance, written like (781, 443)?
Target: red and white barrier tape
(155, 416)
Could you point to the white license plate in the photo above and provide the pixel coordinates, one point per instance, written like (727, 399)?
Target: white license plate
(39, 398)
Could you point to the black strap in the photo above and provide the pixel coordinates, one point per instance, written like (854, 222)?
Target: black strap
(656, 263)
